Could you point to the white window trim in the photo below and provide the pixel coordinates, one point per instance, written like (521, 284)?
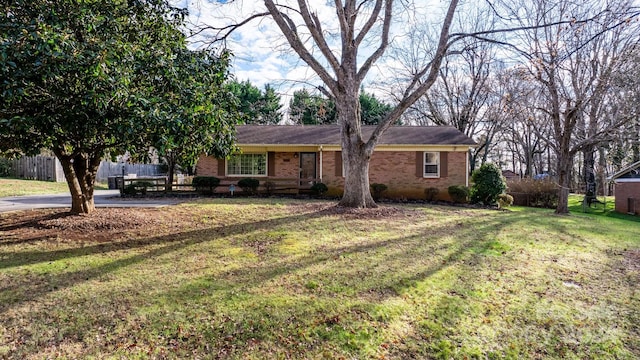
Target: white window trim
(425, 163)
(266, 166)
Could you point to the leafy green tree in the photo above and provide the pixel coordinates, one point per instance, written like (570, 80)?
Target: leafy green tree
(84, 79)
(195, 115)
(372, 110)
(311, 109)
(248, 97)
(488, 183)
(255, 106)
(271, 110)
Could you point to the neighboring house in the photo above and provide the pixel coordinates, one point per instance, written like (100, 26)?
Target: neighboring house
(408, 159)
(510, 175)
(627, 189)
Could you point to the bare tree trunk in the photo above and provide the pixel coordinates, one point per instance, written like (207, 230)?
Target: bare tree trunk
(356, 182)
(80, 172)
(171, 168)
(635, 143)
(564, 179)
(602, 172)
(355, 156)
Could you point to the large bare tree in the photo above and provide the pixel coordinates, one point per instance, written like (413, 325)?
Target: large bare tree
(572, 66)
(343, 55)
(363, 36)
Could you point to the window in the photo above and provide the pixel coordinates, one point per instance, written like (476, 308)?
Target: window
(432, 164)
(247, 164)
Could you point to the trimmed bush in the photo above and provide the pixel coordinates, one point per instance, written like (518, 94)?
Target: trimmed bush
(431, 193)
(319, 189)
(205, 184)
(504, 200)
(249, 185)
(488, 183)
(458, 193)
(377, 190)
(534, 193)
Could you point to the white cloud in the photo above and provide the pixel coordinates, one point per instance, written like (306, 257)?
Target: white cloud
(261, 54)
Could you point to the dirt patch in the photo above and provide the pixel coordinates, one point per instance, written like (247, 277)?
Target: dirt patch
(632, 260)
(103, 224)
(382, 211)
(111, 224)
(370, 213)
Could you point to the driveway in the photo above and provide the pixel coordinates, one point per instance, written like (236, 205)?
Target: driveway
(102, 198)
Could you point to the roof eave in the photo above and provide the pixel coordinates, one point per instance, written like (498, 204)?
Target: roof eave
(624, 171)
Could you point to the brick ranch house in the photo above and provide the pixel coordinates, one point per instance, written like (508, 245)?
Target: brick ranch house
(408, 159)
(627, 189)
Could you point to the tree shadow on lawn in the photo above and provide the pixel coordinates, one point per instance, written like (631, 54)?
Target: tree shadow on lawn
(477, 233)
(244, 280)
(326, 307)
(171, 243)
(185, 238)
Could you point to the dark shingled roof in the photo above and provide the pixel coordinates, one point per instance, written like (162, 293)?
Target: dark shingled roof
(330, 135)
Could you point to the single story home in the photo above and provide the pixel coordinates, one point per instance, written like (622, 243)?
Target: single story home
(627, 189)
(408, 159)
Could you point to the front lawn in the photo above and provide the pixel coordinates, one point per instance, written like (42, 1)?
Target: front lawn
(277, 279)
(19, 187)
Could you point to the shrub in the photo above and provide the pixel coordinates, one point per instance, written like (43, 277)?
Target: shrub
(205, 184)
(504, 200)
(534, 193)
(488, 183)
(269, 187)
(5, 167)
(377, 190)
(431, 193)
(249, 185)
(319, 189)
(458, 193)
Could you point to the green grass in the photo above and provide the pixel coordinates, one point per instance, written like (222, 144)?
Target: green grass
(607, 208)
(276, 279)
(19, 187)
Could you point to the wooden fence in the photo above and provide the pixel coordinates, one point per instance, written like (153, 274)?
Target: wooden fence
(48, 168)
(44, 168)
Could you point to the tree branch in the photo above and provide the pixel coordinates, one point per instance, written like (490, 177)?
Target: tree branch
(289, 31)
(434, 68)
(384, 41)
(315, 28)
(370, 22)
(226, 31)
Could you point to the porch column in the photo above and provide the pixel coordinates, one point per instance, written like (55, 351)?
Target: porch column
(320, 151)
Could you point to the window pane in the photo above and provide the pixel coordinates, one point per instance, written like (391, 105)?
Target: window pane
(430, 158)
(247, 164)
(431, 169)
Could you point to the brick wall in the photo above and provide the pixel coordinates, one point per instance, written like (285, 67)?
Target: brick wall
(207, 166)
(397, 170)
(624, 191)
(286, 166)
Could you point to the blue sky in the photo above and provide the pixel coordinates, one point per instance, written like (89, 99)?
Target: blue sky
(261, 54)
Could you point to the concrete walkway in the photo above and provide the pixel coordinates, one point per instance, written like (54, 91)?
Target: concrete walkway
(102, 198)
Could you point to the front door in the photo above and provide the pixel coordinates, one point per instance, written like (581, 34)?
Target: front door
(307, 169)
